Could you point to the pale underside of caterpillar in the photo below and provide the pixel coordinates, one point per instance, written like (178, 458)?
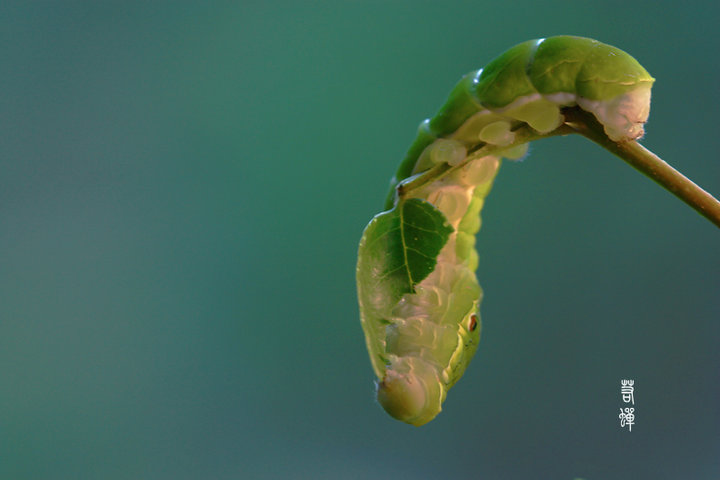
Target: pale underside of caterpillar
(417, 289)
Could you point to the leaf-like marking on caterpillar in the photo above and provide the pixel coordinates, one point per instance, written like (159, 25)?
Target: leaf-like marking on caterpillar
(399, 248)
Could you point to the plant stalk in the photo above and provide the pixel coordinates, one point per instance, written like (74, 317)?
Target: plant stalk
(523, 134)
(648, 163)
(585, 124)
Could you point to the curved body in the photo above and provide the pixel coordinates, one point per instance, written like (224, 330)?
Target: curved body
(417, 289)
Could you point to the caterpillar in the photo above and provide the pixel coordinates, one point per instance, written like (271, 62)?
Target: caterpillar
(417, 290)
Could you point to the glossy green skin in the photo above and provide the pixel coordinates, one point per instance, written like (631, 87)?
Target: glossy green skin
(583, 66)
(418, 359)
(577, 65)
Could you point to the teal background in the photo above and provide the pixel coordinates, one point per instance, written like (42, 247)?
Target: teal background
(182, 189)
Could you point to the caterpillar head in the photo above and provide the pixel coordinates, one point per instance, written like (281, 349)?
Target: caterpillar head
(410, 391)
(607, 81)
(531, 80)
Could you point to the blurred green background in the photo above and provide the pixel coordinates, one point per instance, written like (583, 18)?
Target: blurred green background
(183, 186)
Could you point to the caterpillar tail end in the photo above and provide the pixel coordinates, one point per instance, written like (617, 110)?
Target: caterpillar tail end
(410, 392)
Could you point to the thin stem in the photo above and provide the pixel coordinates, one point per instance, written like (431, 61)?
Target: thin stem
(417, 181)
(648, 163)
(523, 134)
(585, 124)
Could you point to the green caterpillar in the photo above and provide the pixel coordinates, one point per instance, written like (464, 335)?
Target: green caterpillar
(417, 289)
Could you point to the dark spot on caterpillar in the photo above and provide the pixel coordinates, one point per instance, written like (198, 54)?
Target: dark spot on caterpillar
(473, 322)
